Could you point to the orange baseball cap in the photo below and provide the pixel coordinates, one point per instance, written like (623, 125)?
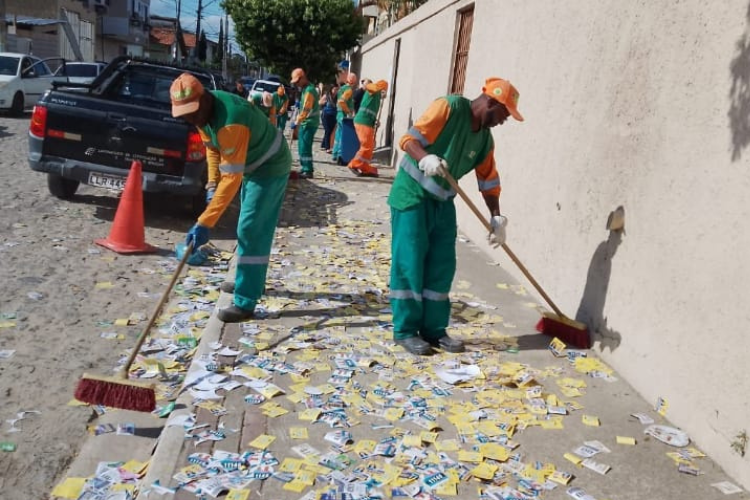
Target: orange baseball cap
(297, 74)
(185, 93)
(505, 93)
(351, 79)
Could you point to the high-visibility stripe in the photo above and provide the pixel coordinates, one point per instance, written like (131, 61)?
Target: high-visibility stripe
(418, 136)
(305, 158)
(252, 259)
(362, 159)
(231, 168)
(433, 295)
(406, 295)
(268, 154)
(369, 111)
(427, 182)
(487, 185)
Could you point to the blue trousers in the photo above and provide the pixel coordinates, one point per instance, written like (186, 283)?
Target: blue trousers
(261, 201)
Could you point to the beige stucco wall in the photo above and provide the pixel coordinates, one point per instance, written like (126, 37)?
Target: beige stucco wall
(639, 104)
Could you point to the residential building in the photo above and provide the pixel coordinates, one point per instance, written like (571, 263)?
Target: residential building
(124, 28)
(51, 28)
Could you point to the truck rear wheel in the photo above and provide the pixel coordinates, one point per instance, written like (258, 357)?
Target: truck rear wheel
(16, 109)
(61, 187)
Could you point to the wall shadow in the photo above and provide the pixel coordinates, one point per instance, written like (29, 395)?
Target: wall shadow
(591, 308)
(739, 93)
(308, 204)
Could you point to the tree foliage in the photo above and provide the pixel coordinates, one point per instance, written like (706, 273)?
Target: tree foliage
(286, 34)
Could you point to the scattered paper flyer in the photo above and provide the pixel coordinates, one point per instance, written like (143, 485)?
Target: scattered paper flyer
(727, 488)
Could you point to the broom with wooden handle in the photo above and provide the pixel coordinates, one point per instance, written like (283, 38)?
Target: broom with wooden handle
(557, 325)
(118, 391)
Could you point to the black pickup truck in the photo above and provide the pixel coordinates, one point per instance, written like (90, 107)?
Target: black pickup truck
(91, 133)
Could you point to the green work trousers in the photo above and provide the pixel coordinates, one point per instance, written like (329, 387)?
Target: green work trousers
(423, 264)
(281, 121)
(261, 201)
(305, 138)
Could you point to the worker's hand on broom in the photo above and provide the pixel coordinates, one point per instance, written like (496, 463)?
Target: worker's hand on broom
(497, 236)
(198, 235)
(432, 165)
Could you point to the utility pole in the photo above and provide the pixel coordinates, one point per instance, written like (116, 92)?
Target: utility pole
(226, 45)
(197, 31)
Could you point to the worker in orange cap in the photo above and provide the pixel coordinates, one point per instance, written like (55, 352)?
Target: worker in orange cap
(452, 135)
(364, 124)
(281, 103)
(253, 158)
(308, 120)
(344, 109)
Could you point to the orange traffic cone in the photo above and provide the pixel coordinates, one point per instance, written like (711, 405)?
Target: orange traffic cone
(128, 233)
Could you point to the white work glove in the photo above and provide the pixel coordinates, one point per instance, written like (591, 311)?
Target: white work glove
(497, 236)
(432, 165)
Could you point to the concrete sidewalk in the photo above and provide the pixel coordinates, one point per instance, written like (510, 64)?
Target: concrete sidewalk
(337, 391)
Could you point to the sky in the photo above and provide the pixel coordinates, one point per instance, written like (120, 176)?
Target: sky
(212, 13)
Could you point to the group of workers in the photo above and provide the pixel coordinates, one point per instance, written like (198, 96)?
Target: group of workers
(246, 150)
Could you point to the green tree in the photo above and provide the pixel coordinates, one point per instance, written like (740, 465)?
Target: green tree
(202, 46)
(286, 34)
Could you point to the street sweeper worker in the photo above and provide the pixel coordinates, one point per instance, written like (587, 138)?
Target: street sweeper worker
(364, 124)
(307, 121)
(344, 109)
(250, 153)
(281, 103)
(453, 135)
(264, 101)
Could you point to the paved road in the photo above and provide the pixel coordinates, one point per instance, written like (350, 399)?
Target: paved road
(49, 269)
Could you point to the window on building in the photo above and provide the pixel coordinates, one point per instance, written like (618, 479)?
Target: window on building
(464, 23)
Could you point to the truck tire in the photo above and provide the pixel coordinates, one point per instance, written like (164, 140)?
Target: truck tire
(197, 204)
(16, 109)
(61, 187)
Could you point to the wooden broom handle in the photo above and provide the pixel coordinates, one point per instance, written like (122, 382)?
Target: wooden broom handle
(510, 253)
(157, 310)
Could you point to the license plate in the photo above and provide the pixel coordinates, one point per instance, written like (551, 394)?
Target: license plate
(107, 181)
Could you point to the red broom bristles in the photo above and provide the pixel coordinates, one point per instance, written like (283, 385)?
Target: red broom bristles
(569, 331)
(123, 394)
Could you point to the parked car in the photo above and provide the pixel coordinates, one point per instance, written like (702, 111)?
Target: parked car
(80, 72)
(261, 86)
(23, 80)
(92, 135)
(247, 82)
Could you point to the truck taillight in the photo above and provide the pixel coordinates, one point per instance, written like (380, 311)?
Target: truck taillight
(196, 151)
(38, 125)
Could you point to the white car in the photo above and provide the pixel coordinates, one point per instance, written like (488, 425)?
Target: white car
(80, 72)
(260, 86)
(23, 80)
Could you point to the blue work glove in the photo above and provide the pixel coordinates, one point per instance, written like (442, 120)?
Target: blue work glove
(198, 235)
(293, 126)
(210, 195)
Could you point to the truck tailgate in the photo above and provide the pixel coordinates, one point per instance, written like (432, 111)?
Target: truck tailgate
(111, 133)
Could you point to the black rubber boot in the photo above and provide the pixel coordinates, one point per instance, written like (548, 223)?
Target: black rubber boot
(449, 344)
(415, 345)
(234, 314)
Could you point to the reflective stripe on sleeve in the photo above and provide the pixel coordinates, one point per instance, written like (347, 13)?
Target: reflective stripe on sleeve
(231, 168)
(418, 136)
(487, 185)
